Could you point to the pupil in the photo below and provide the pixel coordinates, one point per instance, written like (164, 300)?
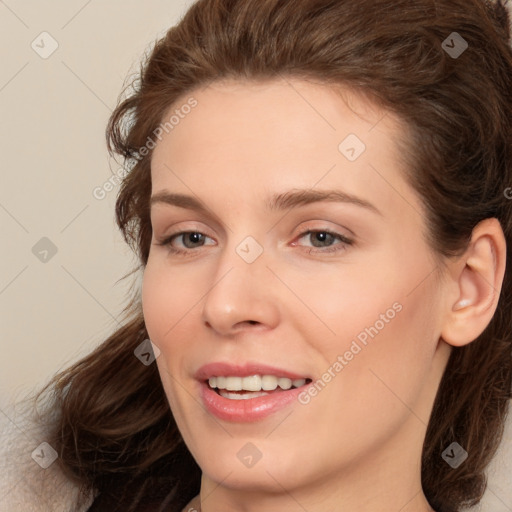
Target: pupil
(322, 235)
(196, 237)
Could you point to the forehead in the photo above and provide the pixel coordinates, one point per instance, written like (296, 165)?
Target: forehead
(233, 112)
(280, 134)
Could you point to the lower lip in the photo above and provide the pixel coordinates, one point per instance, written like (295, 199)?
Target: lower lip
(251, 409)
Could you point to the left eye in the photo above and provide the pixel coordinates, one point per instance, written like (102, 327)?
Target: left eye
(321, 236)
(194, 235)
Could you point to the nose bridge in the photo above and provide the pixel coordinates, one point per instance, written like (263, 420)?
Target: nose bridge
(240, 289)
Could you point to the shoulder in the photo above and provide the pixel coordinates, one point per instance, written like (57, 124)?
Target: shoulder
(30, 475)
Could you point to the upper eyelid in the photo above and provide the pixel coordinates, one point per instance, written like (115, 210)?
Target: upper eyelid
(312, 228)
(303, 232)
(222, 227)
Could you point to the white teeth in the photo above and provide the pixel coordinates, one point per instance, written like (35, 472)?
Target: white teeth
(284, 383)
(235, 396)
(254, 383)
(269, 382)
(232, 383)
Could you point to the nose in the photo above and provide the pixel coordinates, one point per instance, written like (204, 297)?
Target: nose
(241, 296)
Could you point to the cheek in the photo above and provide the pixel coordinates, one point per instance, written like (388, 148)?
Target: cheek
(384, 320)
(166, 301)
(386, 376)
(348, 303)
(153, 301)
(164, 306)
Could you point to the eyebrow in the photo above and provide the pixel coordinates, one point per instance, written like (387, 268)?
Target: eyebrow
(278, 202)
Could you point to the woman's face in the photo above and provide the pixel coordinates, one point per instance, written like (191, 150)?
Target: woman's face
(344, 292)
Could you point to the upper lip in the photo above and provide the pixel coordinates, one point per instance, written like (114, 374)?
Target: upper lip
(250, 368)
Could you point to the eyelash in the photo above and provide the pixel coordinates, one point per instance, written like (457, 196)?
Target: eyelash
(188, 252)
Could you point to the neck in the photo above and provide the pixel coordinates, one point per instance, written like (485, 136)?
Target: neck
(361, 491)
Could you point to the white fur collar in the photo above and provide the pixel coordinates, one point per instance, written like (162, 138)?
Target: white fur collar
(25, 486)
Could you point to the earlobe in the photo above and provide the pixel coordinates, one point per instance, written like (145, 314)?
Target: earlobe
(476, 279)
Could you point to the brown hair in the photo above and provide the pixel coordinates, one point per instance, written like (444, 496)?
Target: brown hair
(115, 432)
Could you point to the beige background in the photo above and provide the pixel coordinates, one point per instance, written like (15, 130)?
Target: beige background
(54, 113)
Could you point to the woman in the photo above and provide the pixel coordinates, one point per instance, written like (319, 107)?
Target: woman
(319, 203)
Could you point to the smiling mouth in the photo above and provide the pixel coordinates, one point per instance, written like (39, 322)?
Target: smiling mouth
(253, 386)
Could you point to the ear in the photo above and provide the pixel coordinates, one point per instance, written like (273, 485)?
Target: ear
(474, 284)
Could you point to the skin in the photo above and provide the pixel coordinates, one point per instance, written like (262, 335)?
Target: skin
(357, 444)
